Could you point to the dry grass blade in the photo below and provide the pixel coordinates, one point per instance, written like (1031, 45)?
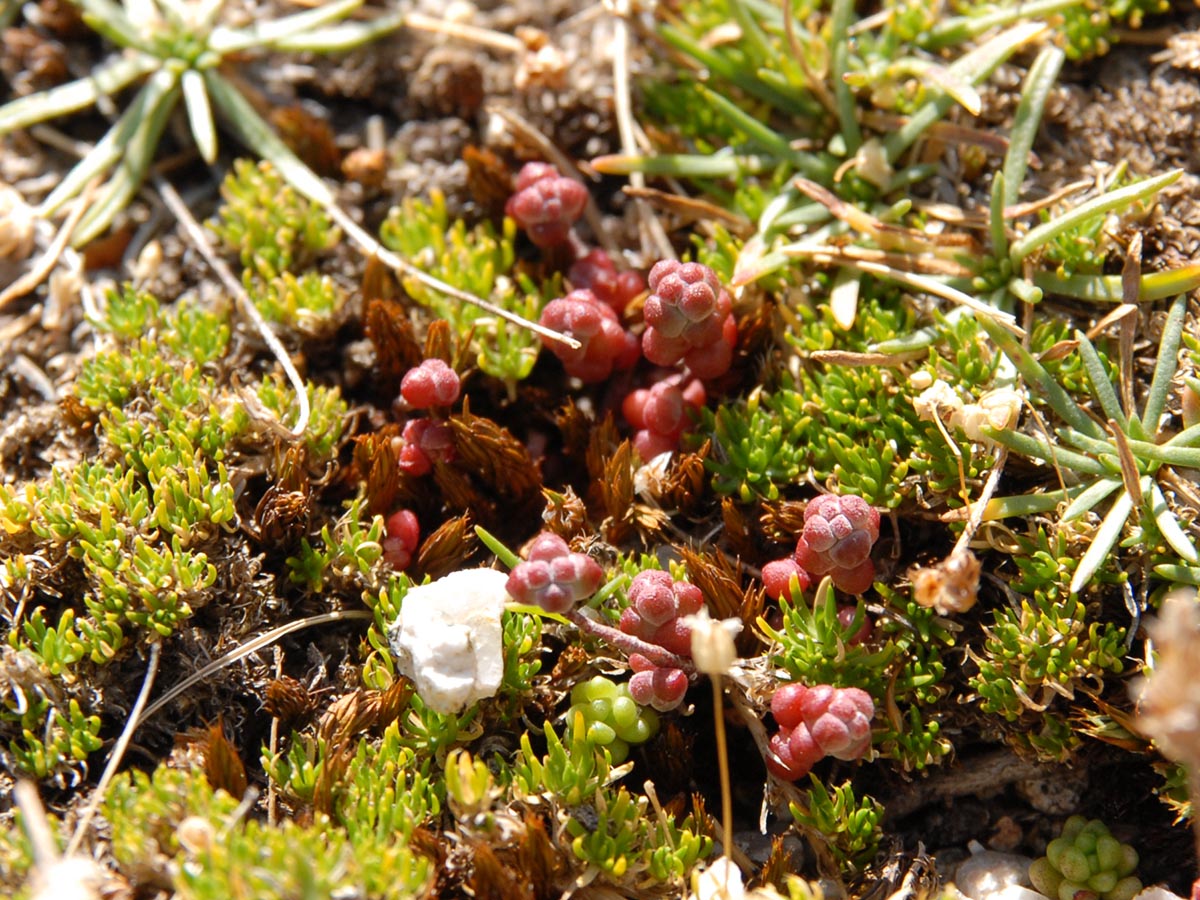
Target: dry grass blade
(494, 455)
(447, 548)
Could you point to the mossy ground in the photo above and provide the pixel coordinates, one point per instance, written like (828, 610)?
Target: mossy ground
(149, 493)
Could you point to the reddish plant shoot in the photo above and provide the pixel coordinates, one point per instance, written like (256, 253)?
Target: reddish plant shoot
(839, 533)
(432, 383)
(604, 344)
(546, 204)
(689, 319)
(815, 722)
(425, 441)
(401, 538)
(553, 577)
(597, 273)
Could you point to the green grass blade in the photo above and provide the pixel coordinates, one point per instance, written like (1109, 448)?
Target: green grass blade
(1103, 541)
(1089, 497)
(972, 68)
(996, 218)
(766, 137)
(1028, 117)
(1178, 574)
(106, 79)
(1037, 377)
(682, 165)
(162, 92)
(839, 65)
(1169, 527)
(257, 135)
(1038, 449)
(1097, 206)
(340, 38)
(1101, 386)
(959, 29)
(268, 33)
(1108, 289)
(1165, 366)
(200, 119)
(497, 546)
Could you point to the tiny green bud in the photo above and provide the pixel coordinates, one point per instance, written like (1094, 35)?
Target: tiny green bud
(1126, 889)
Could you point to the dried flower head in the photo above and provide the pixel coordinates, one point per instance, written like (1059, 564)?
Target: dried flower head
(1169, 697)
(951, 586)
(16, 224)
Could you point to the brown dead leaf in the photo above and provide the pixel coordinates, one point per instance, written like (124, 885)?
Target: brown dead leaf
(309, 137)
(396, 346)
(439, 342)
(739, 529)
(222, 766)
(783, 522)
(288, 700)
(565, 513)
(686, 482)
(489, 179)
(446, 548)
(495, 457)
(377, 458)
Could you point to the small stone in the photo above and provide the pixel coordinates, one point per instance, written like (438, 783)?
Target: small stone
(448, 638)
(987, 873)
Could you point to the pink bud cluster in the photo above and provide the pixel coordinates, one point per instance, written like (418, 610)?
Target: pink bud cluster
(432, 383)
(546, 204)
(597, 273)
(838, 535)
(660, 414)
(605, 344)
(425, 442)
(402, 535)
(552, 576)
(689, 319)
(657, 606)
(815, 722)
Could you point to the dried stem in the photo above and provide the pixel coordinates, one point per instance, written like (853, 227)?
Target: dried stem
(118, 751)
(630, 644)
(195, 234)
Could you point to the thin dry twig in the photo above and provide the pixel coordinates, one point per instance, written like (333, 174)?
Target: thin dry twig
(653, 232)
(118, 751)
(253, 645)
(200, 241)
(45, 265)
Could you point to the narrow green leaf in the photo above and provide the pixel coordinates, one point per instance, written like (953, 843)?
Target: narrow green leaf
(682, 165)
(1036, 375)
(839, 64)
(340, 38)
(766, 137)
(266, 34)
(162, 92)
(1103, 541)
(1107, 288)
(106, 79)
(109, 19)
(1089, 497)
(200, 118)
(1178, 574)
(1097, 206)
(493, 543)
(1101, 386)
(1028, 504)
(972, 68)
(1166, 365)
(959, 29)
(1169, 527)
(1038, 449)
(1171, 454)
(257, 135)
(1028, 117)
(996, 218)
(1186, 438)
